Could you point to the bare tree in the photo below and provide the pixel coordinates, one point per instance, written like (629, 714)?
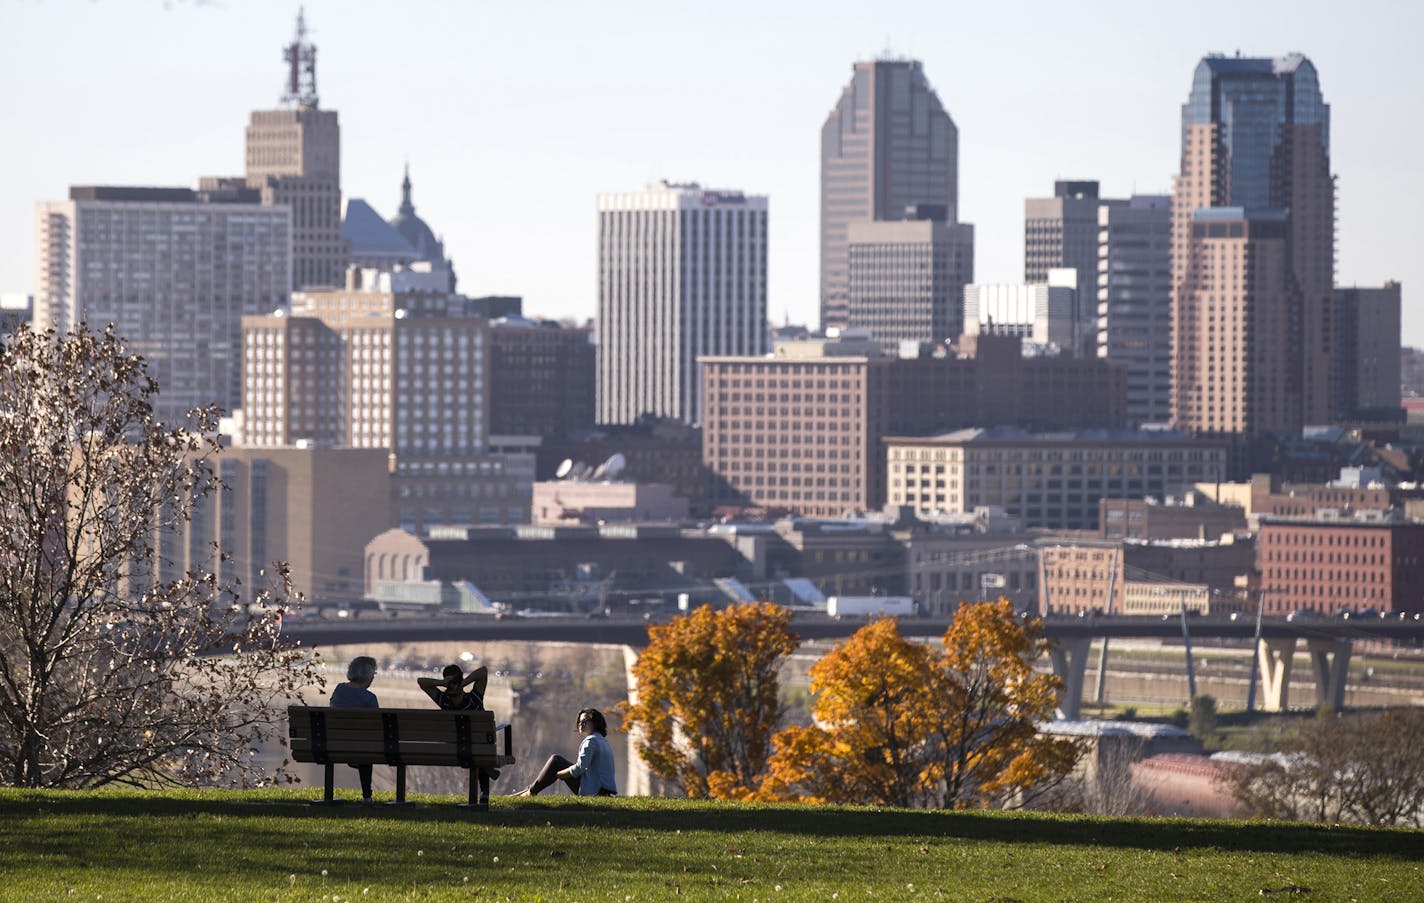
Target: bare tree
(1363, 769)
(114, 667)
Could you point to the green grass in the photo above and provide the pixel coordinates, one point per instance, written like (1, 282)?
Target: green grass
(271, 845)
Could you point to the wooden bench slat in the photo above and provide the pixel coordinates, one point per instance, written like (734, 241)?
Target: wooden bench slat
(337, 748)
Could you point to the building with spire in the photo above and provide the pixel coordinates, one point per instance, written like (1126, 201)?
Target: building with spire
(294, 160)
(1253, 250)
(889, 152)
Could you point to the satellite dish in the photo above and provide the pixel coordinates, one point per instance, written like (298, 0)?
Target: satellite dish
(580, 470)
(565, 468)
(614, 466)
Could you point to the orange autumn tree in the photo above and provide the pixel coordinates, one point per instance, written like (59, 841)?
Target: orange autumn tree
(903, 724)
(991, 701)
(870, 740)
(708, 697)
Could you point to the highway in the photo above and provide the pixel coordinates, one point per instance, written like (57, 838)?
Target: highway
(373, 627)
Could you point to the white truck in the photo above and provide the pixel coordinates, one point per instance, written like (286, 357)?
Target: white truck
(866, 606)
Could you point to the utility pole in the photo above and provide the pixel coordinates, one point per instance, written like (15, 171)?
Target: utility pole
(1107, 610)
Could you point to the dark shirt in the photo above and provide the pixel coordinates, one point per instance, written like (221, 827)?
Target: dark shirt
(467, 702)
(352, 696)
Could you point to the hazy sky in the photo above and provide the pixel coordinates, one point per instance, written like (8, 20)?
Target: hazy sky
(513, 116)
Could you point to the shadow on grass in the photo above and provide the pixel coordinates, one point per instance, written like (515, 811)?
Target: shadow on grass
(644, 814)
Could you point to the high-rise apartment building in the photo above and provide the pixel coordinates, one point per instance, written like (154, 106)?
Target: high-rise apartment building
(1370, 364)
(1134, 301)
(294, 160)
(888, 146)
(1253, 250)
(681, 273)
(174, 270)
(907, 278)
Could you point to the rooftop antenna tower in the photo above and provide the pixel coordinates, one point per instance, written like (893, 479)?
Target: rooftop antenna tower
(301, 67)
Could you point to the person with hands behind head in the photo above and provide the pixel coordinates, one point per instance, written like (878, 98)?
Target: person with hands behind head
(454, 691)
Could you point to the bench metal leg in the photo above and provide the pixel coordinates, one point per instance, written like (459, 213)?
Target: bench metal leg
(400, 783)
(328, 797)
(479, 791)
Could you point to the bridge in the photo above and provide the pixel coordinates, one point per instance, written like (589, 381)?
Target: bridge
(1329, 641)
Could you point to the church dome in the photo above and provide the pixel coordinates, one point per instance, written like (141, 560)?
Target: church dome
(420, 235)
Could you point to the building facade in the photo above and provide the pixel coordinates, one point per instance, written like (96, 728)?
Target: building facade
(1253, 250)
(541, 378)
(1062, 231)
(1370, 364)
(801, 430)
(906, 279)
(1346, 562)
(313, 508)
(1048, 480)
(1054, 315)
(888, 145)
(174, 270)
(681, 273)
(1134, 301)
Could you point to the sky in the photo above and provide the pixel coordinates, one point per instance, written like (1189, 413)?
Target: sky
(513, 117)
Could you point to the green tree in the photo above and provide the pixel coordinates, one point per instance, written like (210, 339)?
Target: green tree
(110, 671)
(707, 696)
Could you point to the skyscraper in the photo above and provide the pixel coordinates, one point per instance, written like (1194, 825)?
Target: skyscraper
(1134, 301)
(174, 270)
(294, 159)
(681, 273)
(887, 147)
(1062, 231)
(1253, 250)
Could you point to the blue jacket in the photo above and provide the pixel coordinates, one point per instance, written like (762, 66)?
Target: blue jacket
(594, 767)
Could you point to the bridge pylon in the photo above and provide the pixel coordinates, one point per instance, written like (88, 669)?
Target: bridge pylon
(1330, 660)
(1275, 657)
(1070, 662)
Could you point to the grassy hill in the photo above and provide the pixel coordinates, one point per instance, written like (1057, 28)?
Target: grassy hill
(272, 845)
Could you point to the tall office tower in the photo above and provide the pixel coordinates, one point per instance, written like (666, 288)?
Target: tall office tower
(1370, 365)
(294, 160)
(907, 277)
(1053, 314)
(1253, 250)
(1134, 292)
(174, 270)
(681, 273)
(888, 146)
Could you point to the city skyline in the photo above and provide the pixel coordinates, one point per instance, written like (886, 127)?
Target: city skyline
(513, 122)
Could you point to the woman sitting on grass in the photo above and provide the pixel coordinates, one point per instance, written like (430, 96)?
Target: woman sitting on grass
(592, 774)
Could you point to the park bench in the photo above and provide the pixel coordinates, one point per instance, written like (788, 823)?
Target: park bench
(401, 737)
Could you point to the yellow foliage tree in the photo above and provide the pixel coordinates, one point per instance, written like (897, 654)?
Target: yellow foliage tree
(869, 742)
(899, 723)
(708, 697)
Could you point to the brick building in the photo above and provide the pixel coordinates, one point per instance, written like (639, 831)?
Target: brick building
(1342, 563)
